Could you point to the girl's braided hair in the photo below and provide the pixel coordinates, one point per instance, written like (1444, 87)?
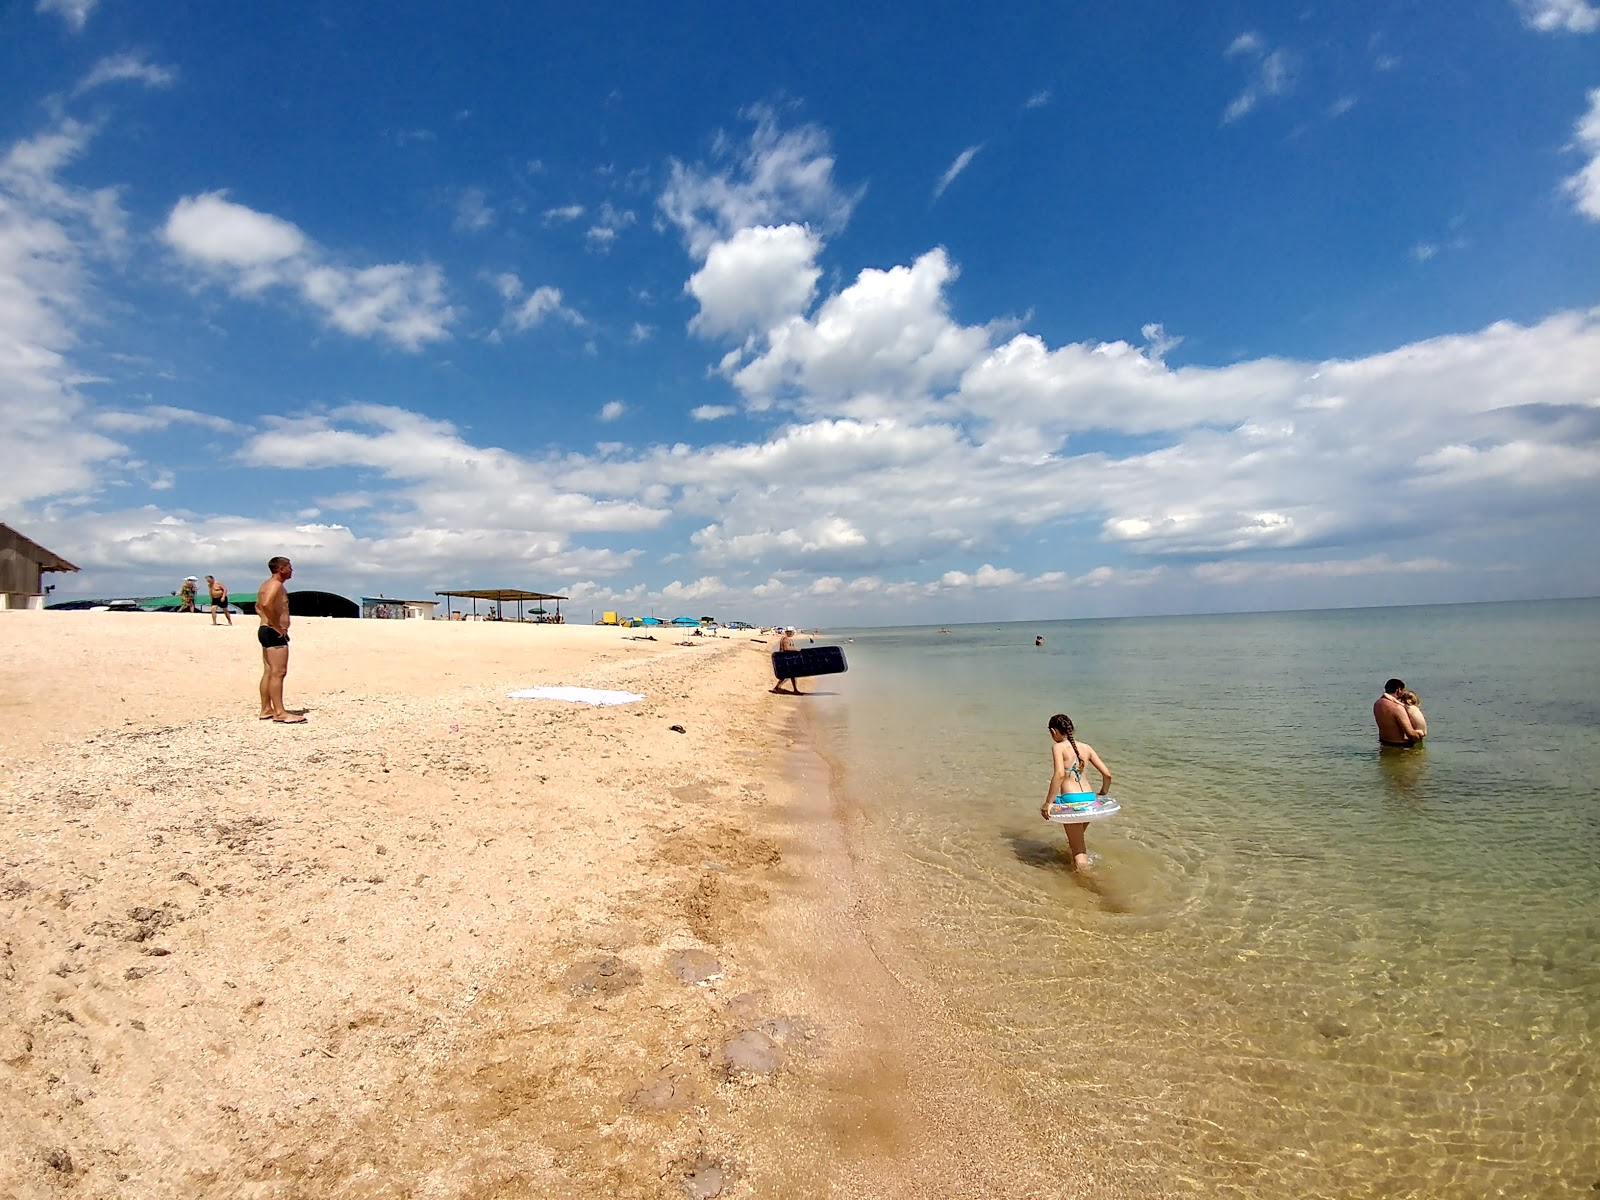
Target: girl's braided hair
(1062, 724)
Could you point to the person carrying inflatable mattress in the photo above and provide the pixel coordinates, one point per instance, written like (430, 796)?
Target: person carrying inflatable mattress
(1070, 795)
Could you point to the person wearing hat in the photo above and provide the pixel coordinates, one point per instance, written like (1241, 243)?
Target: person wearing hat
(186, 594)
(786, 642)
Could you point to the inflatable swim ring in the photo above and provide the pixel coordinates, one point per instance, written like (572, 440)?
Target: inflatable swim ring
(1077, 807)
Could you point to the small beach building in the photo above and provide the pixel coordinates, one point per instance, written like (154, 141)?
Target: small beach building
(387, 608)
(23, 565)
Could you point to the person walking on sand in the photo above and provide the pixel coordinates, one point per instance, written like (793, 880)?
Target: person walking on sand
(786, 642)
(219, 599)
(1394, 723)
(186, 594)
(272, 606)
(1068, 757)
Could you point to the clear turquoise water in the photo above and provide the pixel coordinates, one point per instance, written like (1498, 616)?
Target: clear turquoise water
(1306, 967)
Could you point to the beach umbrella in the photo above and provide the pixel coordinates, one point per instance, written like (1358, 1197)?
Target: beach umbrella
(651, 621)
(684, 621)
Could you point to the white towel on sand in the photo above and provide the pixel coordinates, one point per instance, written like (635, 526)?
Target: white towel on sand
(576, 694)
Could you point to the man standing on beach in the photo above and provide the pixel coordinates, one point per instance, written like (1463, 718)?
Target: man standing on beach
(272, 606)
(786, 642)
(1394, 723)
(219, 599)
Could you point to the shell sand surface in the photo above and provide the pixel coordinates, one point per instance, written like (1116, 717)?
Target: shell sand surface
(437, 942)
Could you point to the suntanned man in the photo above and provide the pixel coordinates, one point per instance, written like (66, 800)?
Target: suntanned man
(1394, 724)
(219, 599)
(272, 606)
(786, 642)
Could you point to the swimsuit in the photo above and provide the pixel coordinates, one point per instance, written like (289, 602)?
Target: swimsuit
(1400, 745)
(270, 638)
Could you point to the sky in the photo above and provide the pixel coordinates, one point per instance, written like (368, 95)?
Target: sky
(809, 314)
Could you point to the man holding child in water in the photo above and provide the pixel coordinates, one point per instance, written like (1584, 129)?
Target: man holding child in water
(1400, 722)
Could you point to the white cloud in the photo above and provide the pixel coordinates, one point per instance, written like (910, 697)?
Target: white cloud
(712, 412)
(611, 410)
(1560, 16)
(1039, 99)
(955, 168)
(1584, 187)
(1273, 74)
(50, 234)
(782, 177)
(160, 416)
(609, 223)
(542, 304)
(640, 332)
(570, 212)
(124, 67)
(403, 303)
(74, 12)
(756, 279)
(473, 214)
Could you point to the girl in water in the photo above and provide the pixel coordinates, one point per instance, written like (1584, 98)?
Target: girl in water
(1068, 759)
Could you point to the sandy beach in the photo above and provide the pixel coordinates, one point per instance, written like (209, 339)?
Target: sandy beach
(439, 942)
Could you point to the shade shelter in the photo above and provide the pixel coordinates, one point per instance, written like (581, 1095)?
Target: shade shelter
(499, 597)
(23, 563)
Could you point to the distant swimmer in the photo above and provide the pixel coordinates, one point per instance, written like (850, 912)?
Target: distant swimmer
(1413, 703)
(1038, 641)
(1068, 757)
(1395, 727)
(272, 606)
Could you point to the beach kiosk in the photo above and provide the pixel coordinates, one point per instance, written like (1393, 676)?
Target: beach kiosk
(23, 565)
(387, 608)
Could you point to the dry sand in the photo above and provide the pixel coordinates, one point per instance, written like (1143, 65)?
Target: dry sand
(436, 942)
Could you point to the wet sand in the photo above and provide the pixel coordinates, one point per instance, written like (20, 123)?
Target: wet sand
(437, 942)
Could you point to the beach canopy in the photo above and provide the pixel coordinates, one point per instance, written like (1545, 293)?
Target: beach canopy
(685, 621)
(651, 621)
(501, 596)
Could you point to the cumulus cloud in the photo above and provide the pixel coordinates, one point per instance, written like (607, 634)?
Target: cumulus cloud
(779, 177)
(960, 164)
(120, 68)
(51, 233)
(473, 214)
(402, 303)
(612, 410)
(1559, 16)
(1584, 187)
(756, 279)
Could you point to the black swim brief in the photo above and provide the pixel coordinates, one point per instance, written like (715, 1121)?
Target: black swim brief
(270, 638)
(1399, 745)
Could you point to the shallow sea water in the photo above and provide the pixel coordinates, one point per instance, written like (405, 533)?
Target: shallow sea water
(1304, 966)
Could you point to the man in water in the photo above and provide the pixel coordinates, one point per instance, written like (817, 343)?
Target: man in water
(272, 606)
(786, 642)
(1394, 724)
(219, 599)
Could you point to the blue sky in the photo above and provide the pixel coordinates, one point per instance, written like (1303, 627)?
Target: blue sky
(815, 315)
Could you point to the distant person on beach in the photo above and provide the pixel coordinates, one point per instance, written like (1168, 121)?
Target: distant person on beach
(1039, 641)
(786, 642)
(186, 592)
(1413, 703)
(219, 599)
(1394, 722)
(272, 606)
(1068, 757)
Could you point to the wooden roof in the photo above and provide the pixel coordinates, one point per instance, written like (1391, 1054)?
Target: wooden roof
(48, 560)
(501, 594)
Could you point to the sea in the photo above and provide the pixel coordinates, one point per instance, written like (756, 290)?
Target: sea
(1303, 965)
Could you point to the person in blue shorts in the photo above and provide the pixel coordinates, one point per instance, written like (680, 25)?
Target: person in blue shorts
(1068, 758)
